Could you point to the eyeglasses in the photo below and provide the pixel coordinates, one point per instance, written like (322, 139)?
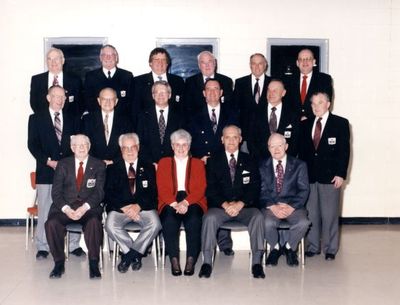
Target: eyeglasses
(129, 148)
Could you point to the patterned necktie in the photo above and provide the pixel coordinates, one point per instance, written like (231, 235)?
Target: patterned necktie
(109, 74)
(317, 133)
(273, 121)
(279, 176)
(131, 178)
(55, 80)
(57, 126)
(106, 130)
(257, 91)
(161, 126)
(214, 121)
(232, 167)
(159, 78)
(303, 91)
(79, 177)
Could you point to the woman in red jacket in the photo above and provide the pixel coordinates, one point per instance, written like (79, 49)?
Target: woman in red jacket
(181, 183)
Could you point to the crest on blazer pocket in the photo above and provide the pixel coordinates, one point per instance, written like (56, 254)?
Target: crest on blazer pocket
(145, 184)
(287, 134)
(332, 141)
(177, 98)
(71, 99)
(91, 183)
(123, 93)
(246, 179)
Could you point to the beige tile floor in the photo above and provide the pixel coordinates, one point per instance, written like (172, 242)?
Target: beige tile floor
(366, 271)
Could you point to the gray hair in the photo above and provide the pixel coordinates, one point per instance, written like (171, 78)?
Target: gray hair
(131, 135)
(74, 138)
(59, 51)
(208, 53)
(161, 83)
(232, 126)
(277, 135)
(181, 134)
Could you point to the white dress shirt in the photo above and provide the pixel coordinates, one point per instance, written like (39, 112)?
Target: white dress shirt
(60, 79)
(181, 165)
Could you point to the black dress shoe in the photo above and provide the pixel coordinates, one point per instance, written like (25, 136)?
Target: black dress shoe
(205, 271)
(291, 258)
(57, 271)
(136, 263)
(258, 271)
(41, 254)
(228, 252)
(189, 267)
(329, 257)
(126, 261)
(94, 272)
(311, 254)
(175, 267)
(78, 252)
(273, 257)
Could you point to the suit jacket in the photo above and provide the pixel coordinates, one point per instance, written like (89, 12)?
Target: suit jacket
(332, 156)
(246, 185)
(194, 100)
(118, 193)
(295, 187)
(195, 183)
(73, 91)
(121, 82)
(65, 192)
(150, 143)
(93, 127)
(244, 99)
(288, 126)
(204, 141)
(43, 143)
(319, 82)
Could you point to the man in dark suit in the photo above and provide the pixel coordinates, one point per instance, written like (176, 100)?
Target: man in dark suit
(284, 192)
(276, 117)
(194, 100)
(303, 84)
(250, 92)
(77, 195)
(109, 76)
(40, 84)
(159, 62)
(131, 196)
(157, 123)
(232, 193)
(49, 132)
(104, 126)
(325, 147)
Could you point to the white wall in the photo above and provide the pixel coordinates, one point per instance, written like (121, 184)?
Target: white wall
(364, 46)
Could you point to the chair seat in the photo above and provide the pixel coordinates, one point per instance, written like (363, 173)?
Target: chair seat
(32, 210)
(233, 225)
(74, 227)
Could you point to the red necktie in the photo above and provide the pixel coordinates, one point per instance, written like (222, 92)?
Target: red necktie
(279, 176)
(79, 177)
(303, 92)
(317, 133)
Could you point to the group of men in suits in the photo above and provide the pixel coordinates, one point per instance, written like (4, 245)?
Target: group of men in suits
(158, 103)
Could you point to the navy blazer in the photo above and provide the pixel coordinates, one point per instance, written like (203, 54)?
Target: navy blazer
(43, 143)
(117, 189)
(246, 185)
(151, 148)
(332, 156)
(295, 187)
(73, 91)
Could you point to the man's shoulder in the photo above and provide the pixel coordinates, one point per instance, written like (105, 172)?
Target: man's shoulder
(173, 78)
(193, 79)
(143, 77)
(93, 73)
(123, 72)
(97, 163)
(223, 78)
(338, 119)
(40, 76)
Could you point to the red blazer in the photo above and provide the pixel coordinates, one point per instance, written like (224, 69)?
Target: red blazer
(195, 184)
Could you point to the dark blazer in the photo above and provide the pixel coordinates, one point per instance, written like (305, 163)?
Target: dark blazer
(332, 156)
(143, 98)
(194, 100)
(319, 82)
(246, 186)
(64, 191)
(92, 126)
(43, 143)
(73, 91)
(151, 148)
(244, 99)
(121, 82)
(295, 188)
(204, 141)
(117, 190)
(288, 126)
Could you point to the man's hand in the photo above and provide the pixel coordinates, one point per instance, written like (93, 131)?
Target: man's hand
(281, 210)
(52, 164)
(204, 159)
(132, 211)
(337, 182)
(108, 162)
(79, 212)
(71, 213)
(233, 208)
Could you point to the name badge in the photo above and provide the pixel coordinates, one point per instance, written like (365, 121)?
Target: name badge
(246, 180)
(145, 184)
(287, 134)
(123, 93)
(331, 141)
(71, 98)
(91, 183)
(177, 98)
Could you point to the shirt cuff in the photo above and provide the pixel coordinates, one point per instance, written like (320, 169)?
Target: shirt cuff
(87, 206)
(65, 208)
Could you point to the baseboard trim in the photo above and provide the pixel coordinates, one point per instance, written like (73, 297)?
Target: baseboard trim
(342, 220)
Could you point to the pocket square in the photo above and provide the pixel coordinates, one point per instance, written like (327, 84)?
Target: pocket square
(245, 172)
(289, 126)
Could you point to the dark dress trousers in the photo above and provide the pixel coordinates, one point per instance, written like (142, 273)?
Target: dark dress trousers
(65, 192)
(73, 91)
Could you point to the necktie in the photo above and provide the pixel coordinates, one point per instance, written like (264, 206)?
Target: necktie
(106, 130)
(55, 80)
(161, 126)
(79, 177)
(131, 178)
(159, 78)
(303, 91)
(257, 91)
(214, 121)
(109, 74)
(57, 126)
(232, 167)
(317, 133)
(273, 121)
(279, 176)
